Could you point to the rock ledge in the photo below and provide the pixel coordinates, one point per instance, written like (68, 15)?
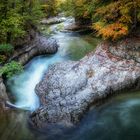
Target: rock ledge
(68, 89)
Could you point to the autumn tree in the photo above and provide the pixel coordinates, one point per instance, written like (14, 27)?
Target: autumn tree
(116, 18)
(112, 19)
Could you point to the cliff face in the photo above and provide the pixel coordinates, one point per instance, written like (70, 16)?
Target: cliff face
(40, 45)
(68, 89)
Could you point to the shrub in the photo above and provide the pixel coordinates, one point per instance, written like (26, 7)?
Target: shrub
(3, 58)
(112, 31)
(10, 69)
(6, 49)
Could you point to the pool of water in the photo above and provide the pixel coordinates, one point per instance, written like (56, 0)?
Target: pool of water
(116, 119)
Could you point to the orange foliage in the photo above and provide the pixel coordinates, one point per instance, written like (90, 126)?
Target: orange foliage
(113, 31)
(113, 19)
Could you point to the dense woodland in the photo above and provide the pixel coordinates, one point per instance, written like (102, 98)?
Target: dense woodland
(112, 19)
(109, 19)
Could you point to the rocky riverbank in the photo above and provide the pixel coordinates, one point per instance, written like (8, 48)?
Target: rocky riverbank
(38, 45)
(68, 89)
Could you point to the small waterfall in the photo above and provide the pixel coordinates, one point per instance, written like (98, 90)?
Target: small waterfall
(72, 47)
(23, 85)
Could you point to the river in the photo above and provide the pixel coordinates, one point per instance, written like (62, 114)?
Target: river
(116, 119)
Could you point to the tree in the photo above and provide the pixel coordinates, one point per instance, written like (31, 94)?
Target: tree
(15, 15)
(112, 19)
(10, 20)
(116, 18)
(78, 9)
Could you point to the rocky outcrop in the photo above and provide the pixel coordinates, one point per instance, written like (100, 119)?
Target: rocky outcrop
(68, 89)
(53, 20)
(3, 93)
(40, 45)
(127, 49)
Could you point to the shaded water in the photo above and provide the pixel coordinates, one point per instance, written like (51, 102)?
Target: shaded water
(73, 46)
(117, 119)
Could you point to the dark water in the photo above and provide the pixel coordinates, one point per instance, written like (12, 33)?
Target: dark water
(117, 119)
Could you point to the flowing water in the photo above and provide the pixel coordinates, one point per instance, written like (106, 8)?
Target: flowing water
(117, 119)
(72, 47)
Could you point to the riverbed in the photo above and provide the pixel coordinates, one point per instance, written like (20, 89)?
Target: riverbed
(116, 119)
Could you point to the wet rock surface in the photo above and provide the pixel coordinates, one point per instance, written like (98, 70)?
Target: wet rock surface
(53, 20)
(68, 89)
(40, 45)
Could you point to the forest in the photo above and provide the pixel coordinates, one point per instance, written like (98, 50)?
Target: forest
(111, 19)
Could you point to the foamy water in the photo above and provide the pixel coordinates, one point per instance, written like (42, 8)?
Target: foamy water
(23, 86)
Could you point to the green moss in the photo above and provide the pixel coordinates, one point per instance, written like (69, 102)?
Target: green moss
(6, 49)
(10, 69)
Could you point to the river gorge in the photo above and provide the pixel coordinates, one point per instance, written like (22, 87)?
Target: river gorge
(114, 118)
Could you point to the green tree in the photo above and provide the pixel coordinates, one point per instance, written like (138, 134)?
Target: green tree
(79, 9)
(51, 7)
(15, 15)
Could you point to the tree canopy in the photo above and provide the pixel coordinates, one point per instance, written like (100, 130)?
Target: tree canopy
(15, 15)
(112, 19)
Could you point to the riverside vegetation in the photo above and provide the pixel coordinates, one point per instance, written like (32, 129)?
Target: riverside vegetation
(109, 19)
